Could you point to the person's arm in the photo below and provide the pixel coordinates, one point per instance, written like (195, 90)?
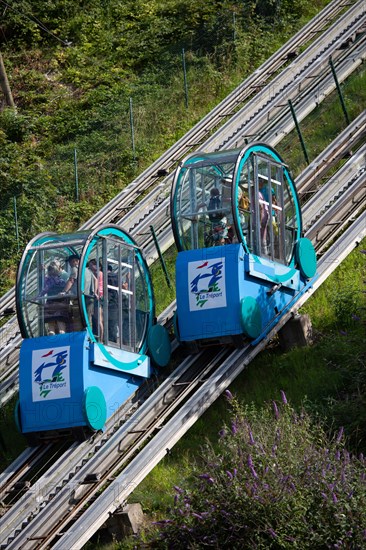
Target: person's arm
(69, 284)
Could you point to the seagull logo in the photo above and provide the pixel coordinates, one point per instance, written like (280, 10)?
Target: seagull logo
(50, 371)
(206, 281)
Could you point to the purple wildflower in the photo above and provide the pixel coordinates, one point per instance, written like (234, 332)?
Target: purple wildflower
(346, 456)
(229, 474)
(251, 438)
(234, 427)
(197, 515)
(343, 333)
(338, 454)
(178, 489)
(340, 434)
(207, 477)
(356, 317)
(250, 461)
(284, 398)
(228, 395)
(222, 433)
(254, 473)
(324, 496)
(235, 472)
(334, 497)
(363, 251)
(275, 409)
(272, 533)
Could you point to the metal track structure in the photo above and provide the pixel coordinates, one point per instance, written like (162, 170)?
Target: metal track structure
(353, 171)
(152, 210)
(118, 491)
(213, 120)
(64, 499)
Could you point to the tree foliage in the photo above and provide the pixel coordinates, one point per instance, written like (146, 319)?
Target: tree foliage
(73, 66)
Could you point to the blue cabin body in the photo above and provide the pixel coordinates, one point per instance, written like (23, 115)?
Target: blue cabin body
(86, 311)
(224, 291)
(60, 380)
(242, 260)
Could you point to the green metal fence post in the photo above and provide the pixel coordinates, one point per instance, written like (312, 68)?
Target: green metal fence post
(185, 78)
(76, 176)
(132, 131)
(299, 132)
(339, 90)
(167, 278)
(16, 222)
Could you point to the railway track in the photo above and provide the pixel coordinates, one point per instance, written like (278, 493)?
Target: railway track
(158, 216)
(252, 86)
(199, 379)
(307, 184)
(93, 465)
(77, 533)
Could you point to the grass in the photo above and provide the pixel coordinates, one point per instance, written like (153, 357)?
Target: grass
(315, 377)
(325, 122)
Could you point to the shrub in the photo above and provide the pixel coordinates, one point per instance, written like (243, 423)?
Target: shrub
(276, 481)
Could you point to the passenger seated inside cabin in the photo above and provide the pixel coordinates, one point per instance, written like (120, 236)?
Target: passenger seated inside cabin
(71, 288)
(226, 184)
(219, 232)
(56, 311)
(244, 210)
(112, 280)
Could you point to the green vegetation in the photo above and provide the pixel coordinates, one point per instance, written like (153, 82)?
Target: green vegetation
(275, 481)
(72, 77)
(327, 381)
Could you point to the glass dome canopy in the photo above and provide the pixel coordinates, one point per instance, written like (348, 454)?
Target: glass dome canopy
(93, 280)
(244, 195)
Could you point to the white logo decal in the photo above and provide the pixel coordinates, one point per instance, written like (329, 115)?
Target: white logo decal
(51, 373)
(206, 284)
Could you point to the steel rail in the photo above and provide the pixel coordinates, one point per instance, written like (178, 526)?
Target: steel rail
(341, 213)
(53, 513)
(128, 192)
(54, 479)
(119, 490)
(143, 236)
(214, 118)
(311, 178)
(334, 188)
(290, 82)
(312, 95)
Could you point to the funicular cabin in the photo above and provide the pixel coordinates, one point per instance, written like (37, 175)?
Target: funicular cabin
(237, 225)
(86, 312)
